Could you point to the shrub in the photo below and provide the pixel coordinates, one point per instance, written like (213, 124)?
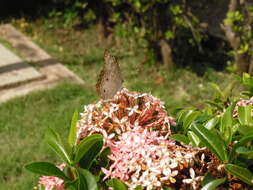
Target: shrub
(130, 142)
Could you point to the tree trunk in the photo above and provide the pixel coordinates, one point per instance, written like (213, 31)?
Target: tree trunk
(234, 40)
(166, 53)
(251, 65)
(241, 63)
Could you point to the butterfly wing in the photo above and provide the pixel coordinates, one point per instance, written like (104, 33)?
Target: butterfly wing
(110, 79)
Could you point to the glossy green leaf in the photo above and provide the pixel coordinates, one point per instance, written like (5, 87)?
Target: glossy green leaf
(211, 141)
(72, 131)
(245, 152)
(207, 178)
(180, 138)
(240, 143)
(103, 157)
(212, 123)
(213, 184)
(244, 140)
(226, 125)
(86, 181)
(139, 187)
(227, 135)
(71, 185)
(234, 128)
(46, 169)
(193, 138)
(244, 115)
(247, 81)
(245, 130)
(88, 149)
(116, 184)
(181, 115)
(226, 119)
(189, 118)
(242, 173)
(54, 141)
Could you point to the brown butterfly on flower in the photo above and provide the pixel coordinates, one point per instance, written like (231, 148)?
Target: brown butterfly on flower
(110, 79)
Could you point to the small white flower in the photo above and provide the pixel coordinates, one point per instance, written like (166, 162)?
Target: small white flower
(193, 180)
(111, 136)
(174, 164)
(167, 171)
(220, 167)
(120, 122)
(155, 170)
(202, 158)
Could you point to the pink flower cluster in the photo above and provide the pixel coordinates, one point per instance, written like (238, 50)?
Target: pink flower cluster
(126, 111)
(136, 128)
(243, 103)
(144, 158)
(51, 182)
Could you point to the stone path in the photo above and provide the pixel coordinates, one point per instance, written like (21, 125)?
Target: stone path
(17, 77)
(14, 71)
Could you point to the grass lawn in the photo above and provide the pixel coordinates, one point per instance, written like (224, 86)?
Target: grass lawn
(22, 127)
(23, 121)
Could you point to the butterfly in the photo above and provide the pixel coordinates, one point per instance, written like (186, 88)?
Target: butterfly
(110, 78)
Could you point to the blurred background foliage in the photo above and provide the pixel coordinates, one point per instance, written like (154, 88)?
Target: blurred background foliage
(171, 48)
(176, 33)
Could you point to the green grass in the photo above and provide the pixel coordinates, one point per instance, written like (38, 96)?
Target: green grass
(23, 124)
(23, 121)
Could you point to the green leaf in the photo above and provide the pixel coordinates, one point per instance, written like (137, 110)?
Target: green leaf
(72, 131)
(88, 149)
(86, 180)
(212, 123)
(167, 188)
(243, 140)
(247, 81)
(71, 185)
(213, 184)
(244, 115)
(139, 187)
(214, 104)
(116, 184)
(217, 90)
(189, 118)
(207, 178)
(226, 125)
(245, 152)
(228, 90)
(226, 119)
(181, 115)
(54, 141)
(46, 169)
(180, 138)
(103, 157)
(242, 173)
(211, 141)
(240, 143)
(193, 138)
(245, 130)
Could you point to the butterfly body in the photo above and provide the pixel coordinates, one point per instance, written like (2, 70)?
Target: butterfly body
(110, 79)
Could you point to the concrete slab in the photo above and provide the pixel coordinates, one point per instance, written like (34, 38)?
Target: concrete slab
(14, 71)
(53, 71)
(26, 47)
